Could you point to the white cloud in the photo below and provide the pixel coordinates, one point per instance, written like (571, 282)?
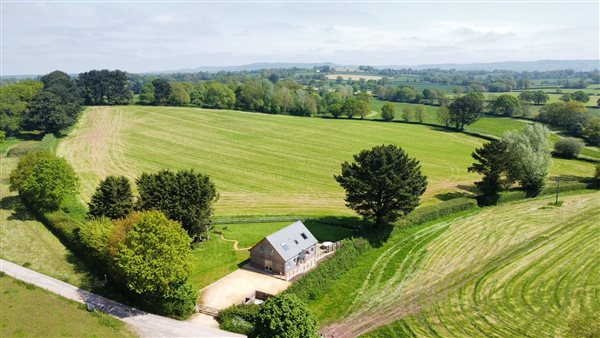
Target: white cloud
(40, 37)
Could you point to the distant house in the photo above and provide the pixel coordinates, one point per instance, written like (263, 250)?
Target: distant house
(282, 251)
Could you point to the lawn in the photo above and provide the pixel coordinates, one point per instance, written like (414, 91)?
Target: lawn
(28, 311)
(27, 242)
(510, 270)
(248, 234)
(216, 258)
(262, 164)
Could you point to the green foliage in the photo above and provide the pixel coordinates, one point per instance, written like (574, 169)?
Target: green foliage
(529, 156)
(95, 235)
(48, 112)
(420, 113)
(14, 100)
(54, 107)
(311, 285)
(44, 179)
(492, 165)
(179, 304)
(162, 91)
(105, 87)
(180, 94)
(154, 256)
(113, 198)
(466, 110)
(238, 318)
(443, 116)
(388, 111)
(440, 210)
(218, 95)
(505, 105)
(25, 167)
(184, 196)
(49, 183)
(407, 114)
(383, 183)
(550, 189)
(597, 175)
(147, 94)
(584, 325)
(580, 96)
(568, 147)
(285, 316)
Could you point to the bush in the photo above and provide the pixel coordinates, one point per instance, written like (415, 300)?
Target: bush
(440, 210)
(239, 318)
(568, 147)
(49, 182)
(515, 195)
(312, 284)
(180, 304)
(285, 316)
(24, 148)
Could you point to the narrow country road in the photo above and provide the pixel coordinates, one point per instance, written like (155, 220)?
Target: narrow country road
(145, 324)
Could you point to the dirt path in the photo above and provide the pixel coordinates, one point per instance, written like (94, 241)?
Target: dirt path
(235, 244)
(145, 324)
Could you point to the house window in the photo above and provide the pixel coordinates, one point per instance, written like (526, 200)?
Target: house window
(261, 249)
(271, 252)
(304, 235)
(312, 249)
(295, 241)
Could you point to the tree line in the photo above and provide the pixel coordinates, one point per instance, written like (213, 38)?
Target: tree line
(142, 244)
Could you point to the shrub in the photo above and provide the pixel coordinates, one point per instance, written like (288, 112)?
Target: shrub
(179, 304)
(311, 285)
(568, 147)
(515, 195)
(239, 318)
(24, 148)
(285, 316)
(95, 234)
(440, 210)
(49, 183)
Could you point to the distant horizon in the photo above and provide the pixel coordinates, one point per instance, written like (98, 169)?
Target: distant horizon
(216, 68)
(38, 37)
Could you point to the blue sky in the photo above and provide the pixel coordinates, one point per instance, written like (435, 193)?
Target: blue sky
(38, 37)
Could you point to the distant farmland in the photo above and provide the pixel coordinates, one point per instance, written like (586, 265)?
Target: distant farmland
(354, 77)
(262, 164)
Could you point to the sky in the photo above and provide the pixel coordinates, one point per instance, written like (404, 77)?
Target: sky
(142, 36)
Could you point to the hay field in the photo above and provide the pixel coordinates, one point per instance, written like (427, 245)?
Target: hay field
(262, 164)
(515, 270)
(354, 77)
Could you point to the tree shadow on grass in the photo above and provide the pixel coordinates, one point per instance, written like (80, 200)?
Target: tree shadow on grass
(19, 211)
(351, 226)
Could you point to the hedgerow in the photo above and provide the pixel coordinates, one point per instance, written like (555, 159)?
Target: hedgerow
(311, 285)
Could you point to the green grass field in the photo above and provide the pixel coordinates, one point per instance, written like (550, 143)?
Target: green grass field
(262, 164)
(28, 311)
(27, 242)
(216, 258)
(520, 269)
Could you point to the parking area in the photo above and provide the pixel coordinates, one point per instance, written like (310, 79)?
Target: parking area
(232, 288)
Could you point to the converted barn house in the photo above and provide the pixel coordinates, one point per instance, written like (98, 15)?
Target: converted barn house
(282, 251)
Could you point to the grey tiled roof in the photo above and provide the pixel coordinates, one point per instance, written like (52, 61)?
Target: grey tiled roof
(289, 241)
